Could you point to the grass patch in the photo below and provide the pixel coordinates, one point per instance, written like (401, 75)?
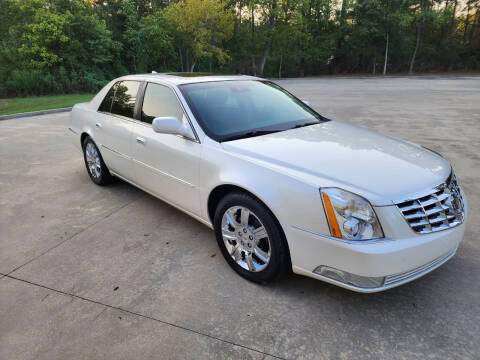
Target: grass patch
(19, 105)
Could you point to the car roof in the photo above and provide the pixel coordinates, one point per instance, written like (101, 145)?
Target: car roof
(186, 77)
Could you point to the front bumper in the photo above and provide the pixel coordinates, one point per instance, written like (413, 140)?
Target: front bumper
(390, 281)
(401, 257)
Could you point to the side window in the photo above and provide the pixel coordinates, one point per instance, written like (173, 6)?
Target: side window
(160, 101)
(125, 97)
(106, 104)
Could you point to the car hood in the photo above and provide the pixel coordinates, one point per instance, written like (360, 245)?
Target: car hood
(380, 168)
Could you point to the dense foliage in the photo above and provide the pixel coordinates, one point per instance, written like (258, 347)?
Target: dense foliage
(62, 46)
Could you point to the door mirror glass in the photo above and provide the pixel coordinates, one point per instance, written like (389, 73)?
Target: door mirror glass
(172, 125)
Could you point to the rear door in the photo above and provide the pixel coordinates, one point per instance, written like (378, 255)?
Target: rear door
(166, 165)
(114, 127)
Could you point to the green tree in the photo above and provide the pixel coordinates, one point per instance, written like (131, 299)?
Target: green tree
(43, 38)
(59, 46)
(158, 49)
(52, 46)
(379, 31)
(199, 27)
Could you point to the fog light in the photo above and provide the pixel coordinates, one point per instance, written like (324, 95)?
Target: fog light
(348, 278)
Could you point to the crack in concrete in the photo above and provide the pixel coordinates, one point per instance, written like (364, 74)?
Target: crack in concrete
(71, 237)
(213, 337)
(100, 313)
(106, 306)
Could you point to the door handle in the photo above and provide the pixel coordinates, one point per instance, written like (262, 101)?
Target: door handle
(98, 125)
(141, 140)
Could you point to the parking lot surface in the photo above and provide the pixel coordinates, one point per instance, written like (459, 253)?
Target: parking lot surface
(89, 272)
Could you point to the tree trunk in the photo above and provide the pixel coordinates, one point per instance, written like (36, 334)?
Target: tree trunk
(339, 56)
(271, 22)
(420, 26)
(444, 29)
(374, 65)
(467, 21)
(254, 65)
(452, 22)
(343, 11)
(280, 67)
(180, 57)
(187, 59)
(453, 29)
(473, 32)
(264, 59)
(193, 66)
(386, 58)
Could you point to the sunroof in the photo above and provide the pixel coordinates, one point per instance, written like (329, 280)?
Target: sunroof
(191, 74)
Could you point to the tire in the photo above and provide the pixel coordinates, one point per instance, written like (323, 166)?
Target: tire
(98, 171)
(251, 247)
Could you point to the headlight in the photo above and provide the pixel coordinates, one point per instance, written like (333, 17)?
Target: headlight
(350, 216)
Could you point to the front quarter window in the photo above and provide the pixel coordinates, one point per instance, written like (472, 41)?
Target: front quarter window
(160, 101)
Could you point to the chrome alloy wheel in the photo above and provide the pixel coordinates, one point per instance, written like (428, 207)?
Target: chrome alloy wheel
(93, 160)
(246, 238)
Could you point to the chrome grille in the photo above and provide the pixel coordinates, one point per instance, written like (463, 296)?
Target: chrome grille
(441, 209)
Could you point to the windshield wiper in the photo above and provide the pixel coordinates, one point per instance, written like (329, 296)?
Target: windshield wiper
(305, 124)
(265, 132)
(250, 134)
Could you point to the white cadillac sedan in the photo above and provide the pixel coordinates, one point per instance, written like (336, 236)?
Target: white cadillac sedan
(283, 187)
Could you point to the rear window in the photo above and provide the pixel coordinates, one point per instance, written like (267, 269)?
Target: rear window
(125, 98)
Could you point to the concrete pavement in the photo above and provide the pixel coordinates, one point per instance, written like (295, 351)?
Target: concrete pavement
(96, 273)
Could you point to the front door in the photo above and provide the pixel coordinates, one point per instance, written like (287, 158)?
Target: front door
(166, 165)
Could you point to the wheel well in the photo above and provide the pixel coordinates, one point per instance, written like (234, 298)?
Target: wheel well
(218, 194)
(82, 138)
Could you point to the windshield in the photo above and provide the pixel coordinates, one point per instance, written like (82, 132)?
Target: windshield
(229, 110)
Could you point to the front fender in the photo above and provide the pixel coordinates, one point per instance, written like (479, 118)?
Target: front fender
(293, 202)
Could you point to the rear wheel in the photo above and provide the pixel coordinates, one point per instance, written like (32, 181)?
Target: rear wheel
(96, 167)
(250, 238)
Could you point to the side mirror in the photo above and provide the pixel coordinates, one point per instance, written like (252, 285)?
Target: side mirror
(171, 125)
(306, 102)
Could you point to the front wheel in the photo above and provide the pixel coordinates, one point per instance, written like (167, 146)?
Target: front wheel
(250, 238)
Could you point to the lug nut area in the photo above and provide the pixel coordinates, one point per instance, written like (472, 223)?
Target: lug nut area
(245, 238)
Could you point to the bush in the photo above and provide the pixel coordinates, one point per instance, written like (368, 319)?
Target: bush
(87, 81)
(40, 82)
(30, 82)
